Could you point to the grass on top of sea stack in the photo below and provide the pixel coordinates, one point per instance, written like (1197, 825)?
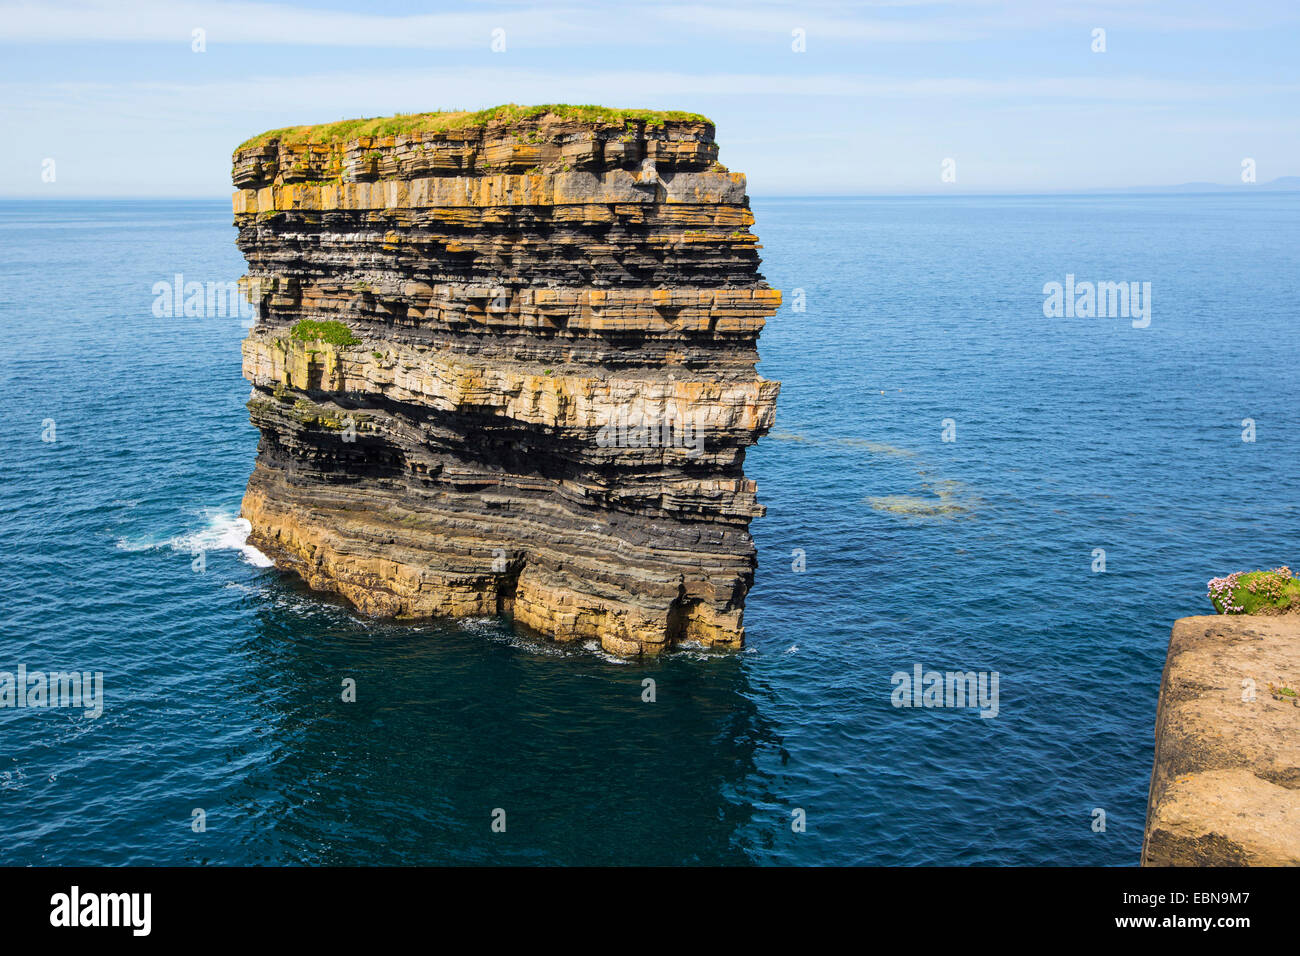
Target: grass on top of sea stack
(333, 333)
(1256, 592)
(324, 133)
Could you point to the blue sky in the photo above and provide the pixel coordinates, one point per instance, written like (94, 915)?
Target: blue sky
(1011, 90)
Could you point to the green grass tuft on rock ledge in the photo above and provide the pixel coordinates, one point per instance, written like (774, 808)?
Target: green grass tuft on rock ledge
(1256, 592)
(324, 133)
(333, 333)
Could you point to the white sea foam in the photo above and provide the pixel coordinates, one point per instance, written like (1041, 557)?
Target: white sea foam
(497, 630)
(222, 531)
(595, 648)
(139, 544)
(695, 651)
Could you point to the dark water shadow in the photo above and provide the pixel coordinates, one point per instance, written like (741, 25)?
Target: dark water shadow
(452, 722)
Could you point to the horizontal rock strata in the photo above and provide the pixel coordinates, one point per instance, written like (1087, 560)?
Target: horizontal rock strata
(1225, 789)
(509, 368)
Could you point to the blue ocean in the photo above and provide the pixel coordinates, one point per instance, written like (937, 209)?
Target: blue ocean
(955, 482)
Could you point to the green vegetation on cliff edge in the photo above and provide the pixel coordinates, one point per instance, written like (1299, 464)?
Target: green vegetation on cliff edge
(1256, 592)
(334, 333)
(459, 119)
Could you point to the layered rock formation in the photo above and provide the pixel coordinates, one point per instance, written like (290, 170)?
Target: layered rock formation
(1225, 789)
(505, 364)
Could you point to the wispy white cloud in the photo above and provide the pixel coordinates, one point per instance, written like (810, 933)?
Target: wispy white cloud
(583, 23)
(474, 87)
(242, 22)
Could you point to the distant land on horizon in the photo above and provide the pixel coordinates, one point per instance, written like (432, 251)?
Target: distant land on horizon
(1281, 182)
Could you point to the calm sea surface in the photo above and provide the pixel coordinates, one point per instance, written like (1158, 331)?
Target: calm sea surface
(222, 685)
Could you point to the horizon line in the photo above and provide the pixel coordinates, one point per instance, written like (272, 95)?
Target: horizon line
(1195, 189)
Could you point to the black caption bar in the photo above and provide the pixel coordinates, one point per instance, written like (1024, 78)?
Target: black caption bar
(334, 905)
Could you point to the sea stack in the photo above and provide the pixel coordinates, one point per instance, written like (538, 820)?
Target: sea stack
(504, 363)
